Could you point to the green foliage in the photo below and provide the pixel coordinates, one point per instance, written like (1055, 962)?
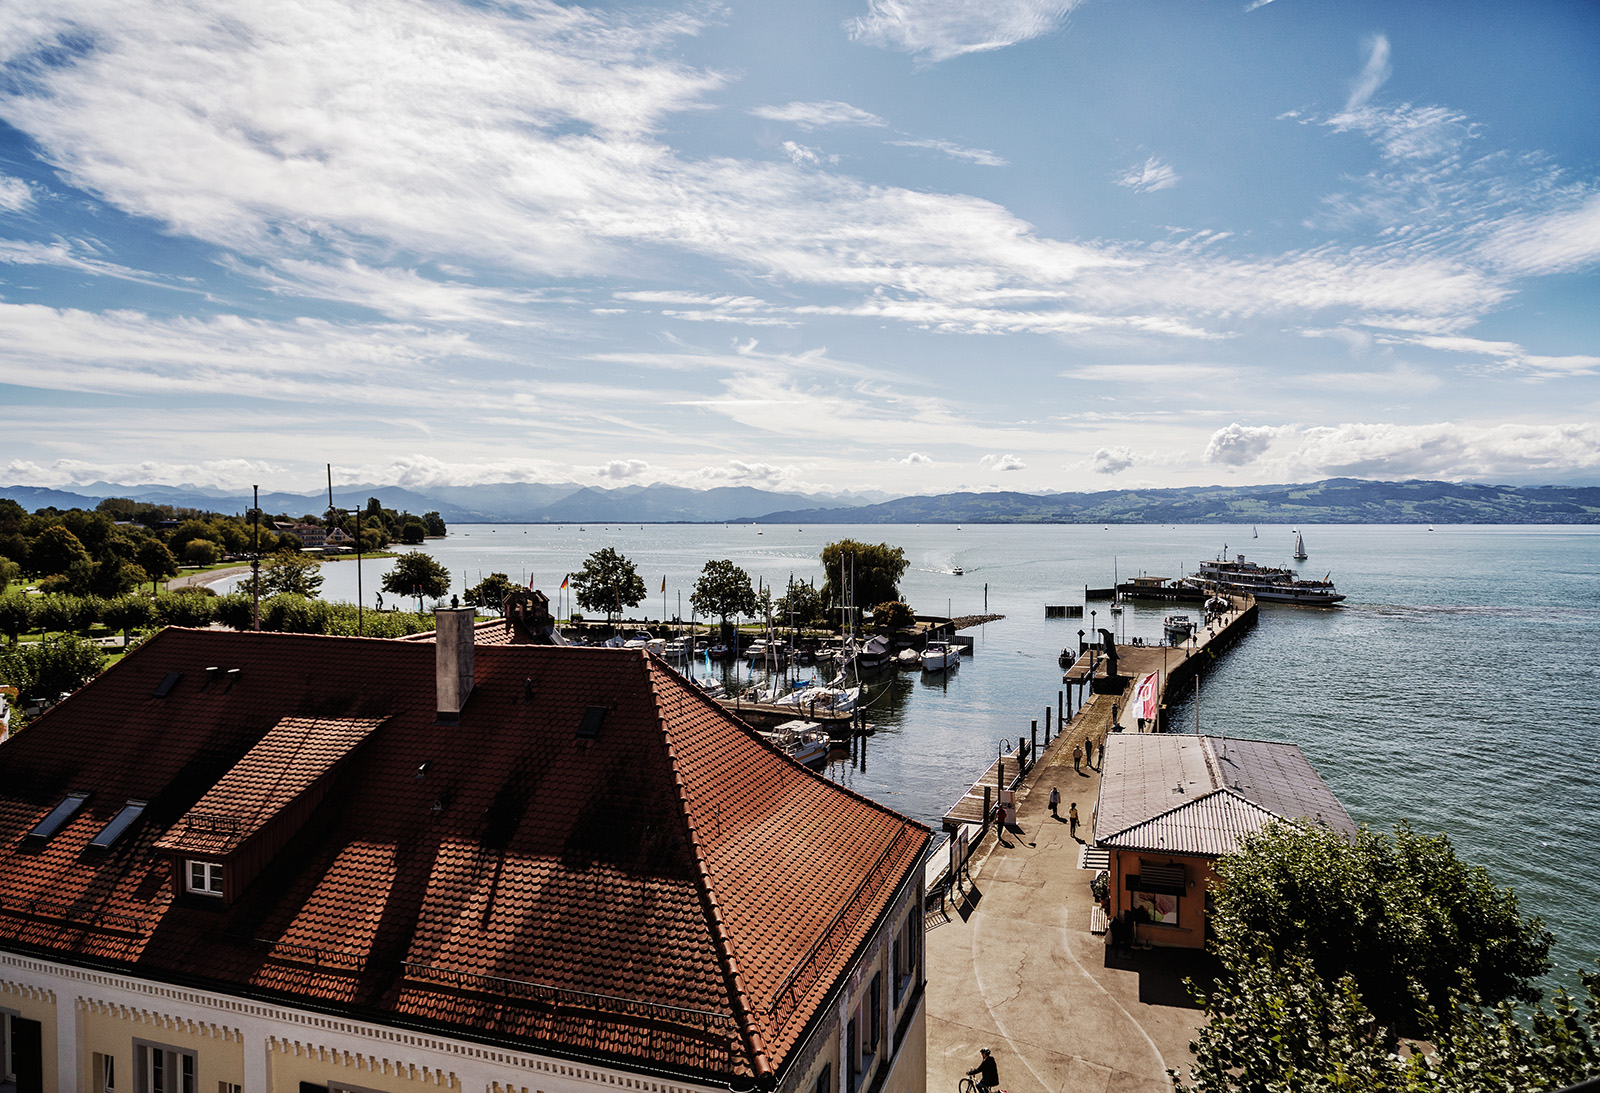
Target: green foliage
(413, 531)
(9, 572)
(128, 613)
(55, 550)
(235, 610)
(202, 552)
(185, 609)
(801, 605)
(296, 574)
(1285, 1030)
(893, 615)
(875, 571)
(52, 667)
(434, 523)
(608, 582)
(294, 614)
(156, 560)
(723, 590)
(1410, 922)
(490, 593)
(417, 573)
(16, 615)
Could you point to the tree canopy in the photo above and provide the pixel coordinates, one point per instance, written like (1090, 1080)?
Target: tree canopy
(723, 590)
(55, 550)
(1410, 922)
(801, 605)
(417, 574)
(875, 570)
(490, 593)
(1333, 952)
(608, 582)
(893, 615)
(296, 574)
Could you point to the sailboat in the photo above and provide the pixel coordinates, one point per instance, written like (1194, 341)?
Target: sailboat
(1300, 554)
(1116, 592)
(1253, 534)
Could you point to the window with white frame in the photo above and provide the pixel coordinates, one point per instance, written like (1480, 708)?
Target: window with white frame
(158, 1068)
(105, 1072)
(205, 877)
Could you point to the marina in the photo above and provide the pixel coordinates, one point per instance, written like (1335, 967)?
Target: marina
(1360, 688)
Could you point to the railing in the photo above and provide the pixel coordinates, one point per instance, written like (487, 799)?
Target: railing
(93, 918)
(209, 823)
(827, 943)
(311, 954)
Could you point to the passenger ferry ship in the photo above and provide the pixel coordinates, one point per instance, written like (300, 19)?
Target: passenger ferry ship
(1268, 584)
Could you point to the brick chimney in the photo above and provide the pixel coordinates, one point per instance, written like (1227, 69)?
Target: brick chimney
(453, 660)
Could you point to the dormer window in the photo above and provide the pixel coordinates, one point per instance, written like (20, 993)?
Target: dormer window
(205, 877)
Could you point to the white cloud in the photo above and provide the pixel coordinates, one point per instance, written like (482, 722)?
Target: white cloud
(623, 469)
(937, 30)
(1564, 239)
(1374, 74)
(1446, 450)
(15, 195)
(916, 459)
(1113, 460)
(802, 156)
(1005, 462)
(818, 115)
(1149, 176)
(1406, 131)
(1509, 355)
(1237, 445)
(65, 474)
(980, 156)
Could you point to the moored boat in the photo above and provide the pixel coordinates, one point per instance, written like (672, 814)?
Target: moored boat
(938, 656)
(1269, 584)
(1177, 629)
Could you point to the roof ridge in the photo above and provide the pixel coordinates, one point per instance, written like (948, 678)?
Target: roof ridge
(743, 1016)
(1228, 790)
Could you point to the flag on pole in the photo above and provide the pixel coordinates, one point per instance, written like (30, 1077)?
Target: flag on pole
(564, 579)
(663, 584)
(1147, 698)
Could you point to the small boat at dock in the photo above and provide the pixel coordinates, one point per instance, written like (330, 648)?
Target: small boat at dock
(1177, 629)
(938, 656)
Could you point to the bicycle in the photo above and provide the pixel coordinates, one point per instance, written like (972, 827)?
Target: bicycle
(966, 1085)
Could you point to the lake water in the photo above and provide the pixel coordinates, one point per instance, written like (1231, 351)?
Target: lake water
(1456, 687)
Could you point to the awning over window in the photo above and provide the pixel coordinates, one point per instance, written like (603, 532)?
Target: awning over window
(1162, 878)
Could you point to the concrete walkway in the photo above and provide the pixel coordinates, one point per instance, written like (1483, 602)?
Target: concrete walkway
(1015, 969)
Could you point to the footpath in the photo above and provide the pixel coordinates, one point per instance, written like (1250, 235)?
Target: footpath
(1013, 967)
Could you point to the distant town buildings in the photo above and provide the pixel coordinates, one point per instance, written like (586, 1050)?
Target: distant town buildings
(279, 863)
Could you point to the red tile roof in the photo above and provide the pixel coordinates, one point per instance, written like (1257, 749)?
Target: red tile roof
(672, 892)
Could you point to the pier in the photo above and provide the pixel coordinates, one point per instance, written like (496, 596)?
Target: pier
(1016, 958)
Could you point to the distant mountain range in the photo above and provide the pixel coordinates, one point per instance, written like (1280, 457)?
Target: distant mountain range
(506, 502)
(1334, 501)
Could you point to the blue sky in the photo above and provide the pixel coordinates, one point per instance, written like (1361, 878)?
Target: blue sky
(899, 245)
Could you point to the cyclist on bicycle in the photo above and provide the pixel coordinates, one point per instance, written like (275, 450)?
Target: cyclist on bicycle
(987, 1074)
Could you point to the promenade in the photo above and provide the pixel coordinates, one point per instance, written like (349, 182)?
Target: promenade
(1014, 968)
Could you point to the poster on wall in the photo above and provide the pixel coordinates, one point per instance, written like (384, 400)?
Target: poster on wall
(1159, 906)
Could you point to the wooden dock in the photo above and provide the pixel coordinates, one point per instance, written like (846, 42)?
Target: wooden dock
(970, 808)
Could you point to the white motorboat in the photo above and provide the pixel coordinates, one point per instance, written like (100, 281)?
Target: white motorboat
(805, 742)
(1177, 629)
(938, 656)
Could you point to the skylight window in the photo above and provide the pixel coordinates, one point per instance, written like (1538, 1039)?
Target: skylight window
(589, 727)
(58, 816)
(164, 688)
(119, 823)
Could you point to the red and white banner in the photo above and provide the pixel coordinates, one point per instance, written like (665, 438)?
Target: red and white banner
(1147, 698)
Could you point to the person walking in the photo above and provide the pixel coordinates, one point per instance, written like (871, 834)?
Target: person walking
(1088, 751)
(1077, 758)
(1072, 818)
(1055, 802)
(986, 1072)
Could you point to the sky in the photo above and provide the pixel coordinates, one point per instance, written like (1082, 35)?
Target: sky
(909, 246)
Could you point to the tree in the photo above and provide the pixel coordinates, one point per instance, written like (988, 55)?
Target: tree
(186, 607)
(413, 531)
(417, 574)
(55, 666)
(126, 613)
(202, 552)
(1410, 923)
(801, 605)
(434, 522)
(9, 571)
(608, 582)
(55, 550)
(874, 570)
(893, 615)
(296, 574)
(490, 593)
(156, 560)
(723, 590)
(16, 616)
